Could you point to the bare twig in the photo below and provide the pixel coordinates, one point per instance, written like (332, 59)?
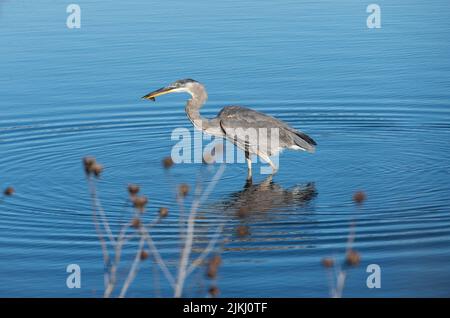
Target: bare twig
(211, 245)
(340, 284)
(154, 251)
(118, 253)
(156, 282)
(182, 271)
(106, 235)
(103, 244)
(341, 274)
(101, 211)
(134, 268)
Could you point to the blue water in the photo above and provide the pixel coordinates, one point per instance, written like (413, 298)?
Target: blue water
(375, 100)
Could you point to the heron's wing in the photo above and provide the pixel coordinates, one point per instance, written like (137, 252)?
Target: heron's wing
(250, 130)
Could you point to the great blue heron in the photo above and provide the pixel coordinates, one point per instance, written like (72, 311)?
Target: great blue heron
(234, 123)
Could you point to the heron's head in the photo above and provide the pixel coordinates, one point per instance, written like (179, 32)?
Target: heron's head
(184, 85)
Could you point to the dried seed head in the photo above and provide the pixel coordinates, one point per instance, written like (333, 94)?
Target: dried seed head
(140, 202)
(133, 189)
(9, 191)
(88, 163)
(352, 258)
(217, 260)
(136, 223)
(167, 162)
(327, 262)
(144, 255)
(212, 271)
(359, 197)
(213, 266)
(214, 291)
(183, 190)
(163, 212)
(97, 169)
(242, 230)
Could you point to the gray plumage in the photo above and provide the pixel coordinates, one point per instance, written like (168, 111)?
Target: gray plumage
(238, 124)
(238, 116)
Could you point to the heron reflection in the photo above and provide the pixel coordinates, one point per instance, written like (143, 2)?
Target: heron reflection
(256, 199)
(255, 203)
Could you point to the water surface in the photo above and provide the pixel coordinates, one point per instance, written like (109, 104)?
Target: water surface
(376, 101)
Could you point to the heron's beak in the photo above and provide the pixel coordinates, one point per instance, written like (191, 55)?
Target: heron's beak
(158, 92)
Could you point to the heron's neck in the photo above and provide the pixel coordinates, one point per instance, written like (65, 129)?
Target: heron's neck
(193, 106)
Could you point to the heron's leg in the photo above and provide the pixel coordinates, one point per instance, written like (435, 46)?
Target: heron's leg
(274, 168)
(249, 165)
(248, 183)
(266, 158)
(266, 183)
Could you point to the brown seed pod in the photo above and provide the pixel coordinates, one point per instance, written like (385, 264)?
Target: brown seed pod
(133, 189)
(97, 169)
(242, 230)
(9, 191)
(136, 223)
(144, 255)
(214, 291)
(212, 271)
(359, 197)
(216, 259)
(140, 202)
(167, 162)
(163, 212)
(353, 258)
(88, 163)
(327, 262)
(213, 266)
(183, 189)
